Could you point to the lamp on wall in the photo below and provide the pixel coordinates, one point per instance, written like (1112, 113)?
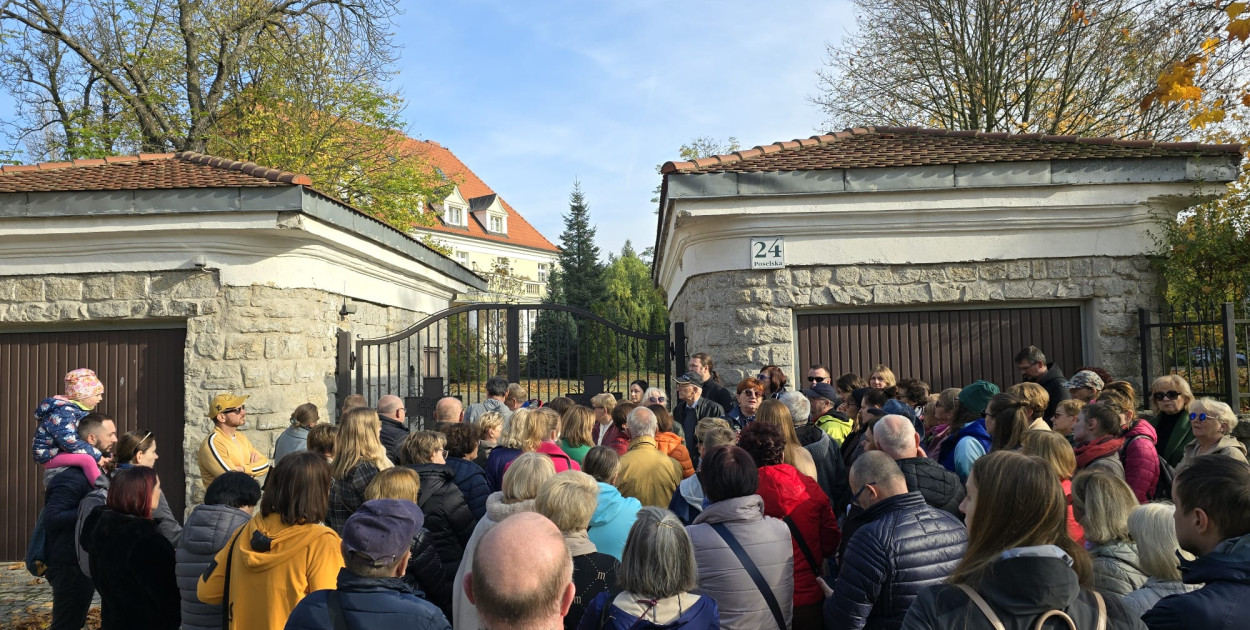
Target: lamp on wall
(349, 308)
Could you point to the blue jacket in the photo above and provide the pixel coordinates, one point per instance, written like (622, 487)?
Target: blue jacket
(60, 514)
(374, 603)
(614, 515)
(902, 546)
(1222, 604)
(499, 459)
(471, 480)
(975, 430)
(702, 614)
(58, 430)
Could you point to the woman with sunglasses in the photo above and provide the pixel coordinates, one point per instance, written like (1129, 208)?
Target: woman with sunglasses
(773, 380)
(1212, 422)
(1170, 398)
(751, 392)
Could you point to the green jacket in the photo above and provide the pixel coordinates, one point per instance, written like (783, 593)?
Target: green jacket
(1182, 434)
(836, 427)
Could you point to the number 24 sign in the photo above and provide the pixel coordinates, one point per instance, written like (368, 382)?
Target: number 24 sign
(768, 252)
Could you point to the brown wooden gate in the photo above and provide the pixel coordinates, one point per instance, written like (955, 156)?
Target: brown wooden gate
(943, 348)
(142, 375)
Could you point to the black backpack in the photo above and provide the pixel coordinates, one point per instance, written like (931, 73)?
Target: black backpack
(1163, 488)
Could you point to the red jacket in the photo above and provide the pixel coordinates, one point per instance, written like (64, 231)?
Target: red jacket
(1074, 528)
(1141, 459)
(787, 492)
(672, 445)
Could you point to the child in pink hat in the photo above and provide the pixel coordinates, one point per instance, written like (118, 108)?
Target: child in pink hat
(56, 442)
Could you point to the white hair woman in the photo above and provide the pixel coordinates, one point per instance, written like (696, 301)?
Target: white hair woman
(656, 577)
(654, 396)
(1212, 423)
(568, 500)
(1170, 397)
(1154, 530)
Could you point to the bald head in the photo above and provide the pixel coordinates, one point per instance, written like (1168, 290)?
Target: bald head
(537, 597)
(896, 436)
(877, 470)
(389, 406)
(449, 410)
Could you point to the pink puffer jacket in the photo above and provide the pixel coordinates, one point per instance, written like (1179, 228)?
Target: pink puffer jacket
(1141, 460)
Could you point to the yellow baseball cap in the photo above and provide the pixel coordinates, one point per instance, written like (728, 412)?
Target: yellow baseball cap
(222, 402)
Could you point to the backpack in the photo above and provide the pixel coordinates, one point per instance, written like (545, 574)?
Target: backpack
(1163, 487)
(37, 549)
(1100, 622)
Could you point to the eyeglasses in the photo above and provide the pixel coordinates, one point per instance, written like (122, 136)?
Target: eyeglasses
(1198, 417)
(762, 377)
(817, 379)
(657, 399)
(1168, 395)
(234, 409)
(750, 393)
(855, 498)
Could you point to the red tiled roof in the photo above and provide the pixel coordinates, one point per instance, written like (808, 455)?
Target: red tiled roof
(146, 171)
(875, 147)
(520, 232)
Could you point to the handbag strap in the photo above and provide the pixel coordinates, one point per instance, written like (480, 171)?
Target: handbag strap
(335, 605)
(982, 605)
(802, 543)
(225, 588)
(753, 571)
(1102, 611)
(1100, 623)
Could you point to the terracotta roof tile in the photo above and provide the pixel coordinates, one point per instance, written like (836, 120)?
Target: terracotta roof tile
(146, 171)
(880, 147)
(520, 232)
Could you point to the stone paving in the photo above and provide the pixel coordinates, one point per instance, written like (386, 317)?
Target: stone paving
(26, 601)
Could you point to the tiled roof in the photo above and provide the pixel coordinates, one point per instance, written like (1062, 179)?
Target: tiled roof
(875, 147)
(520, 232)
(146, 171)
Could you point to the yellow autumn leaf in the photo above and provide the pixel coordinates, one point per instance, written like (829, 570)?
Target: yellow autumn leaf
(1235, 9)
(1239, 29)
(1209, 45)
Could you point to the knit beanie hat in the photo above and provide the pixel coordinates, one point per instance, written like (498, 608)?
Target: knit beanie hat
(82, 384)
(977, 396)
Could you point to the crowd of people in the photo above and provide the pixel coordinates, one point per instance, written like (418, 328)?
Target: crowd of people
(845, 504)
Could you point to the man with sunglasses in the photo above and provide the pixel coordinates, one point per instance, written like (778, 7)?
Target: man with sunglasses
(227, 449)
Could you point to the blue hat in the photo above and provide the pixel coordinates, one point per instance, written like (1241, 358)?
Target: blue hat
(382, 530)
(823, 390)
(893, 407)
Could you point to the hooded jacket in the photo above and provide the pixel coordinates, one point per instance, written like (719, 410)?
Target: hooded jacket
(293, 439)
(684, 611)
(133, 569)
(1223, 603)
(1018, 590)
(1181, 434)
(939, 487)
(1117, 569)
(614, 515)
(471, 480)
(647, 474)
(447, 516)
(830, 471)
(673, 445)
(208, 530)
(788, 493)
(1228, 446)
(274, 566)
(464, 613)
(1141, 459)
(960, 463)
(1056, 386)
(58, 430)
(373, 603)
(721, 576)
(835, 427)
(901, 546)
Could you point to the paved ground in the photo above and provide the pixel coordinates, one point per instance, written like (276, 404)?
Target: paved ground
(26, 602)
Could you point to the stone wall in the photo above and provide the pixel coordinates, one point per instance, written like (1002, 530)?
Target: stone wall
(276, 345)
(745, 319)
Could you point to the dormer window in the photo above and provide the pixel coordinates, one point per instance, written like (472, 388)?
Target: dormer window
(496, 224)
(455, 216)
(490, 213)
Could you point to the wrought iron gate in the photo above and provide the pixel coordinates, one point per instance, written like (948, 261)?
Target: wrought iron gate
(550, 349)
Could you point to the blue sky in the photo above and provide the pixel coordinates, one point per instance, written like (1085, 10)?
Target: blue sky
(533, 95)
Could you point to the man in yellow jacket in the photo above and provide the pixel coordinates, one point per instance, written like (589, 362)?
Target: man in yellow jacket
(227, 449)
(646, 473)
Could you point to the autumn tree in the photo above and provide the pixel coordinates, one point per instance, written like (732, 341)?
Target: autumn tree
(1033, 66)
(294, 84)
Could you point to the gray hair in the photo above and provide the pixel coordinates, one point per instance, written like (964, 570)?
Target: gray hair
(641, 421)
(877, 467)
(895, 436)
(651, 392)
(798, 404)
(1216, 410)
(658, 560)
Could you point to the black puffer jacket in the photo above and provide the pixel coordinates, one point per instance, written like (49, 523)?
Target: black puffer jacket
(1019, 590)
(902, 546)
(393, 435)
(940, 487)
(447, 516)
(471, 480)
(132, 566)
(1056, 387)
(209, 528)
(426, 572)
(830, 471)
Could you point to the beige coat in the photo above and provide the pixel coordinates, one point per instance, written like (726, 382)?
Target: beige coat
(647, 474)
(1228, 446)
